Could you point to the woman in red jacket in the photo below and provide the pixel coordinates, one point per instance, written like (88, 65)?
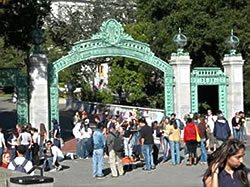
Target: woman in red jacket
(191, 142)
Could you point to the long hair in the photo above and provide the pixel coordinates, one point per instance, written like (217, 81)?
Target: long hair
(42, 129)
(220, 156)
(173, 122)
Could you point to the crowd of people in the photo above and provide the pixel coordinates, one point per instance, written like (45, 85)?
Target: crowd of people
(27, 147)
(130, 139)
(142, 139)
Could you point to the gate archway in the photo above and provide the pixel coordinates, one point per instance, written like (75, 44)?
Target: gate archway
(209, 76)
(111, 41)
(12, 77)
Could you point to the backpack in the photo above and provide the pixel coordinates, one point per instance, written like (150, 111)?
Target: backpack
(20, 167)
(118, 143)
(180, 124)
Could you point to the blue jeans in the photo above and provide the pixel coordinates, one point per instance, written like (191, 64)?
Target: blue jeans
(165, 148)
(50, 160)
(175, 152)
(203, 151)
(84, 148)
(97, 162)
(148, 157)
(1, 151)
(236, 134)
(79, 146)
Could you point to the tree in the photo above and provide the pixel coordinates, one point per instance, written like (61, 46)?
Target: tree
(80, 23)
(18, 18)
(206, 24)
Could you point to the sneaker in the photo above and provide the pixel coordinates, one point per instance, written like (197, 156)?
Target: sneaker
(53, 170)
(100, 177)
(86, 158)
(59, 168)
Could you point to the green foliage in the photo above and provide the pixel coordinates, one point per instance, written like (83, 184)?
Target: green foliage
(104, 96)
(10, 57)
(18, 18)
(206, 24)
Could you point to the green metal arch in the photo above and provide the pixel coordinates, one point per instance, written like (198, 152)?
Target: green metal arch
(209, 76)
(109, 42)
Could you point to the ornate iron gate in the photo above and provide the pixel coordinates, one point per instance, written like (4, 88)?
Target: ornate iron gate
(209, 76)
(109, 42)
(14, 78)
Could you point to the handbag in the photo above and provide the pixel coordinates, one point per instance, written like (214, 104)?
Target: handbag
(198, 138)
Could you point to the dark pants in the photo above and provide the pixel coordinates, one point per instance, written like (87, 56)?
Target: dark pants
(156, 148)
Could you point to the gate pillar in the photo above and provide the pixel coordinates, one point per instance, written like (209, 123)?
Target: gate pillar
(181, 68)
(38, 107)
(233, 67)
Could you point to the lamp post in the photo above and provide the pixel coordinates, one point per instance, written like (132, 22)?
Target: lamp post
(37, 38)
(232, 42)
(180, 40)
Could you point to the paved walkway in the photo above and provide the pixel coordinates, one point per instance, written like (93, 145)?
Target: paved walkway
(78, 173)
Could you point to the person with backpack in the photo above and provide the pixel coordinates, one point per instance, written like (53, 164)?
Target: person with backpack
(20, 163)
(222, 131)
(115, 148)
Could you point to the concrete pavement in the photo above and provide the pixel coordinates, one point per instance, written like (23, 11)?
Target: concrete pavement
(79, 173)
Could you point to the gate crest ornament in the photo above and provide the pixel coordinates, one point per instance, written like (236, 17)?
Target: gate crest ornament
(112, 32)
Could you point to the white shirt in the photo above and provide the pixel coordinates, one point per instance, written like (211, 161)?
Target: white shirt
(19, 161)
(80, 133)
(210, 121)
(56, 152)
(2, 140)
(35, 137)
(25, 138)
(157, 140)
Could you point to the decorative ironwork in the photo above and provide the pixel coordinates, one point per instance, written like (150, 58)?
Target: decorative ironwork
(209, 76)
(180, 40)
(109, 42)
(13, 77)
(37, 38)
(232, 42)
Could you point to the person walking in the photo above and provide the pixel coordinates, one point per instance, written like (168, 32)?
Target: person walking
(97, 159)
(147, 142)
(114, 157)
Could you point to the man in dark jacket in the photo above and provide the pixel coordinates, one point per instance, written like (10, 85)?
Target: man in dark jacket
(222, 130)
(114, 157)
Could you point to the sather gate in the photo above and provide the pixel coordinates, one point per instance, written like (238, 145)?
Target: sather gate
(111, 41)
